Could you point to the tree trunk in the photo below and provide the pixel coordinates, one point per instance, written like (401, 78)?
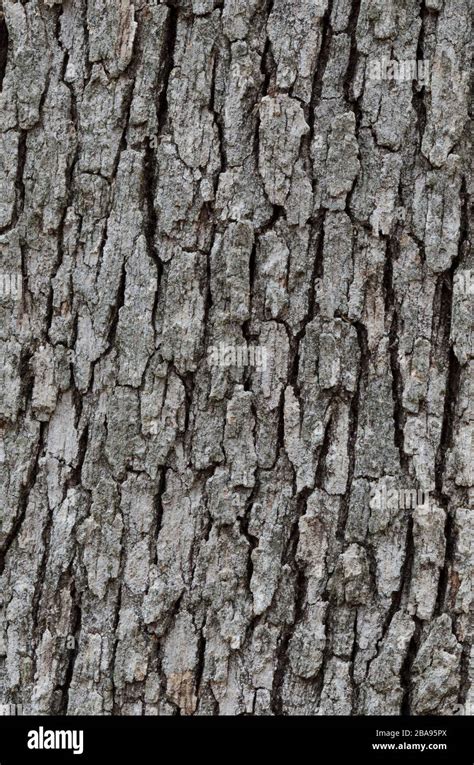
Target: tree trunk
(236, 425)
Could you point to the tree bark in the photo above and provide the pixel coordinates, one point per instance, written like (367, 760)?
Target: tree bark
(236, 318)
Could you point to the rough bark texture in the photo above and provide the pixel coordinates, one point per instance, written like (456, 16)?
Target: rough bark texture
(184, 536)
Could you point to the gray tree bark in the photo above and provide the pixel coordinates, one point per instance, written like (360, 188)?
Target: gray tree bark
(187, 531)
